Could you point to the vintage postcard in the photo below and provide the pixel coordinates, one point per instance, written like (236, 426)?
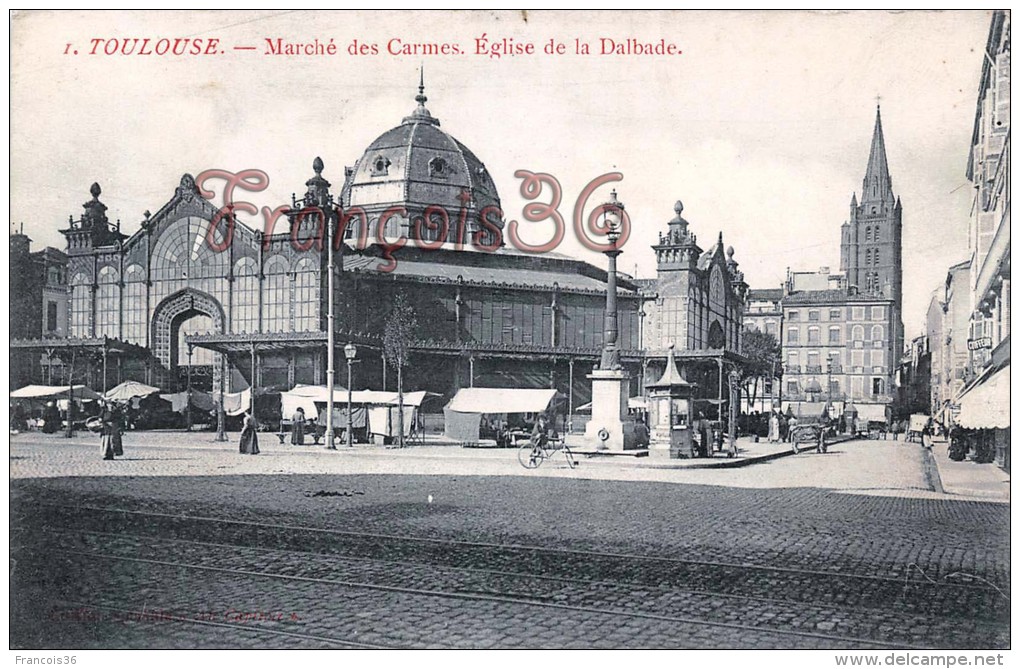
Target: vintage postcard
(511, 330)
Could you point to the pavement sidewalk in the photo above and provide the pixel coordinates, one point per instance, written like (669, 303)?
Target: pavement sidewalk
(969, 478)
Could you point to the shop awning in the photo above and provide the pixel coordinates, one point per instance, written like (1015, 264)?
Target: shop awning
(805, 409)
(53, 392)
(130, 390)
(870, 412)
(986, 405)
(501, 400)
(637, 402)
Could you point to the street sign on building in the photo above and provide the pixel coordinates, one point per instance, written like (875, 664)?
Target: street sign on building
(979, 343)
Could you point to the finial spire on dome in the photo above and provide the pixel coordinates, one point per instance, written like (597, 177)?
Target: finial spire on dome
(420, 98)
(421, 114)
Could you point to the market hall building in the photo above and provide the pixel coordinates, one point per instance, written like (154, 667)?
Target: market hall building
(163, 307)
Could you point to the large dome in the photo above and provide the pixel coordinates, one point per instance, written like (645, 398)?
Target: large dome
(416, 165)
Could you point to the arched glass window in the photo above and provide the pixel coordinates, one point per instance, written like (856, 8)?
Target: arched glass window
(877, 333)
(108, 303)
(134, 305)
(245, 312)
(874, 257)
(81, 306)
(867, 257)
(276, 296)
(876, 232)
(306, 296)
(867, 234)
(857, 333)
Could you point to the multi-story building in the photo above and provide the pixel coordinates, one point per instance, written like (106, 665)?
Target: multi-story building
(764, 313)
(913, 378)
(984, 403)
(934, 329)
(38, 284)
(956, 359)
(837, 348)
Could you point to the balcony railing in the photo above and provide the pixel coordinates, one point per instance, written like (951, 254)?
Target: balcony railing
(813, 369)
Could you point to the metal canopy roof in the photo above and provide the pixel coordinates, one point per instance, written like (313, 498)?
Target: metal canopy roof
(92, 344)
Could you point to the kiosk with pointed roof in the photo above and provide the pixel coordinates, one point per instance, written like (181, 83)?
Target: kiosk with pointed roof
(669, 405)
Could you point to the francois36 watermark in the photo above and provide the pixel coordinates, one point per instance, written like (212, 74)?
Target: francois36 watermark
(430, 229)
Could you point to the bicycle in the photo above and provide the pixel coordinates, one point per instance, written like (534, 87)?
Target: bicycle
(532, 455)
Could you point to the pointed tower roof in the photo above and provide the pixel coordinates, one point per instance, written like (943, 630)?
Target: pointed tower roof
(877, 173)
(877, 164)
(671, 377)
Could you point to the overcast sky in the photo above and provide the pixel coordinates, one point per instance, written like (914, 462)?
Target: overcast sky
(762, 126)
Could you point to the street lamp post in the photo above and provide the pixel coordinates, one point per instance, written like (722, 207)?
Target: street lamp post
(610, 349)
(350, 352)
(330, 334)
(610, 427)
(734, 401)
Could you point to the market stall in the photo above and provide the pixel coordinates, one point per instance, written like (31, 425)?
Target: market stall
(465, 411)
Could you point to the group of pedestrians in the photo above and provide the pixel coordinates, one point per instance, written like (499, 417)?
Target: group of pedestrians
(781, 426)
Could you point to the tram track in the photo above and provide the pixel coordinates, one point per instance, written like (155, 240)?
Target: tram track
(722, 578)
(461, 592)
(490, 575)
(825, 640)
(140, 615)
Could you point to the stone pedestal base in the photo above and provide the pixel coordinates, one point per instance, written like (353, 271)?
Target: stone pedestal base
(673, 444)
(610, 428)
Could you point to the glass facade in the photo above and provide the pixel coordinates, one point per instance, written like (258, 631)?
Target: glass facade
(133, 306)
(276, 296)
(245, 308)
(81, 306)
(306, 296)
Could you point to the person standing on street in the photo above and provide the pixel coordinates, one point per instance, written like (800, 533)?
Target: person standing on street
(297, 428)
(249, 436)
(116, 434)
(107, 430)
(773, 428)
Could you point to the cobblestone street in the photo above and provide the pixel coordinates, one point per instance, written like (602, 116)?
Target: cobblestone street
(187, 544)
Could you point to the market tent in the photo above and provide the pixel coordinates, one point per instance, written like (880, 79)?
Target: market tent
(387, 398)
(54, 392)
(806, 409)
(308, 397)
(199, 400)
(129, 390)
(637, 402)
(235, 404)
(464, 412)
(870, 413)
(305, 396)
(986, 405)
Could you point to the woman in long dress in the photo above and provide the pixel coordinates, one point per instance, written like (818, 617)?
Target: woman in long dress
(297, 428)
(249, 436)
(773, 428)
(109, 426)
(117, 431)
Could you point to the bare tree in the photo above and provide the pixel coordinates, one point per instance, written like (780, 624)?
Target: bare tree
(398, 338)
